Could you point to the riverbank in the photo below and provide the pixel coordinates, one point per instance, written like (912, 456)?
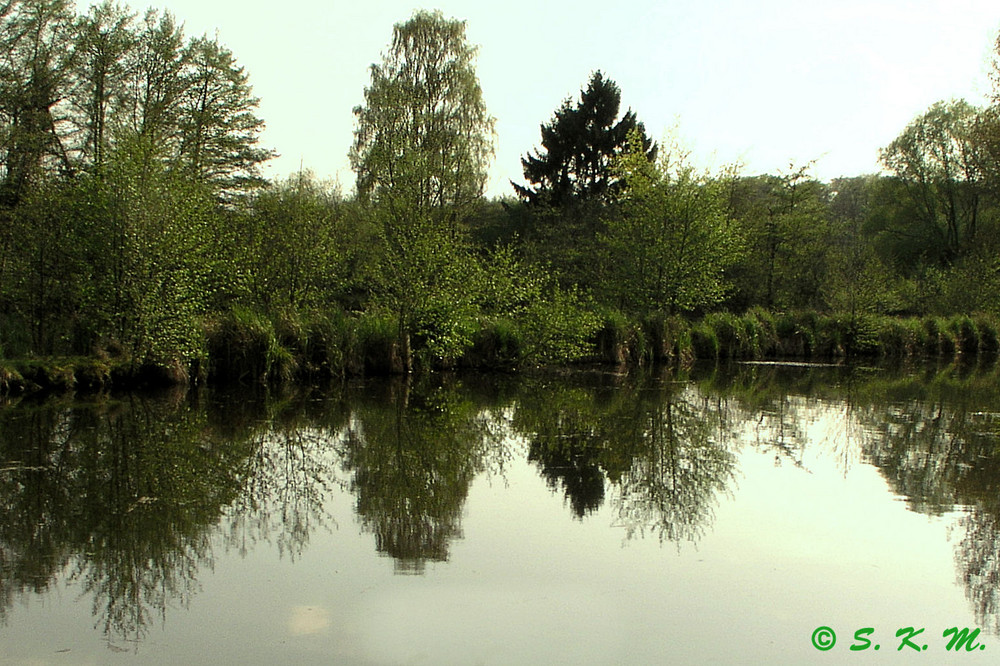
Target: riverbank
(254, 349)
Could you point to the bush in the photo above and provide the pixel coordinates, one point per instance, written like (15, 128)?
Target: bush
(245, 345)
(497, 344)
(986, 330)
(729, 333)
(765, 331)
(963, 331)
(704, 342)
(898, 338)
(378, 346)
(796, 335)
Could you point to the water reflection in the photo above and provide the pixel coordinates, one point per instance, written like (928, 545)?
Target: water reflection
(413, 455)
(654, 442)
(286, 465)
(123, 498)
(119, 496)
(133, 499)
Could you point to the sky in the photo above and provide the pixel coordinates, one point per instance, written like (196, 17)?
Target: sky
(766, 84)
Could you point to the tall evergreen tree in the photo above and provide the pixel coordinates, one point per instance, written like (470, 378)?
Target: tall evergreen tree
(579, 146)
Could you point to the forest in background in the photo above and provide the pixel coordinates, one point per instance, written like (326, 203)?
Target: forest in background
(138, 235)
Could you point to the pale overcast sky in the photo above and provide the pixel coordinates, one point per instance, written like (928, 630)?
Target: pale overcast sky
(763, 82)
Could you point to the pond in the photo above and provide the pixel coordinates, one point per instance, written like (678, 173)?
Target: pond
(751, 514)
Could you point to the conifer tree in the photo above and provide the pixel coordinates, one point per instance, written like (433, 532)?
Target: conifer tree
(579, 146)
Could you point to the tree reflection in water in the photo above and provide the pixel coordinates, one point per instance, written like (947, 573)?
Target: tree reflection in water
(119, 495)
(933, 433)
(124, 498)
(656, 443)
(127, 497)
(413, 453)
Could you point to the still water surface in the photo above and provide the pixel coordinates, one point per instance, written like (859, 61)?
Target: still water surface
(587, 518)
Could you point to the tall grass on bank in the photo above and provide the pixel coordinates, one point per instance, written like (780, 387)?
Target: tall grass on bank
(252, 347)
(760, 334)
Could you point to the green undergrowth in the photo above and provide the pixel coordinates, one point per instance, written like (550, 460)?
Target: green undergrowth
(244, 346)
(761, 335)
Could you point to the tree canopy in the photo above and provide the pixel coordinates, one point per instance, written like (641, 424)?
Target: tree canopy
(424, 134)
(72, 88)
(936, 159)
(579, 146)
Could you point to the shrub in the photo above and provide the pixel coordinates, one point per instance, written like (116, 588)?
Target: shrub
(963, 330)
(497, 344)
(986, 331)
(704, 342)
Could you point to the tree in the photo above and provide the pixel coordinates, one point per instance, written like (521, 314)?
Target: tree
(670, 245)
(579, 147)
(857, 281)
(218, 128)
(937, 160)
(105, 38)
(292, 247)
(986, 132)
(422, 145)
(187, 99)
(149, 257)
(424, 135)
(784, 219)
(35, 59)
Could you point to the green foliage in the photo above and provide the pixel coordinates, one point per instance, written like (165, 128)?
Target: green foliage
(378, 344)
(669, 338)
(292, 246)
(115, 260)
(935, 159)
(217, 126)
(135, 226)
(704, 341)
(734, 338)
(764, 329)
(670, 247)
(963, 330)
(43, 283)
(580, 146)
(424, 137)
(785, 223)
(989, 339)
(902, 337)
(555, 324)
(796, 334)
(35, 76)
(497, 344)
(244, 346)
(422, 145)
(150, 263)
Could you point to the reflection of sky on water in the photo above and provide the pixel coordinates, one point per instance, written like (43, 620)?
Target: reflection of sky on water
(308, 620)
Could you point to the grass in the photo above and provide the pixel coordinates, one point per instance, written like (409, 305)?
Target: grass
(253, 347)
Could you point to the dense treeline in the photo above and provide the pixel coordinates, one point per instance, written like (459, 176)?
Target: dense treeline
(137, 231)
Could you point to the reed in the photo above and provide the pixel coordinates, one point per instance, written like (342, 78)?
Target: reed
(497, 344)
(986, 330)
(704, 342)
(378, 345)
(796, 335)
(962, 330)
(729, 333)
